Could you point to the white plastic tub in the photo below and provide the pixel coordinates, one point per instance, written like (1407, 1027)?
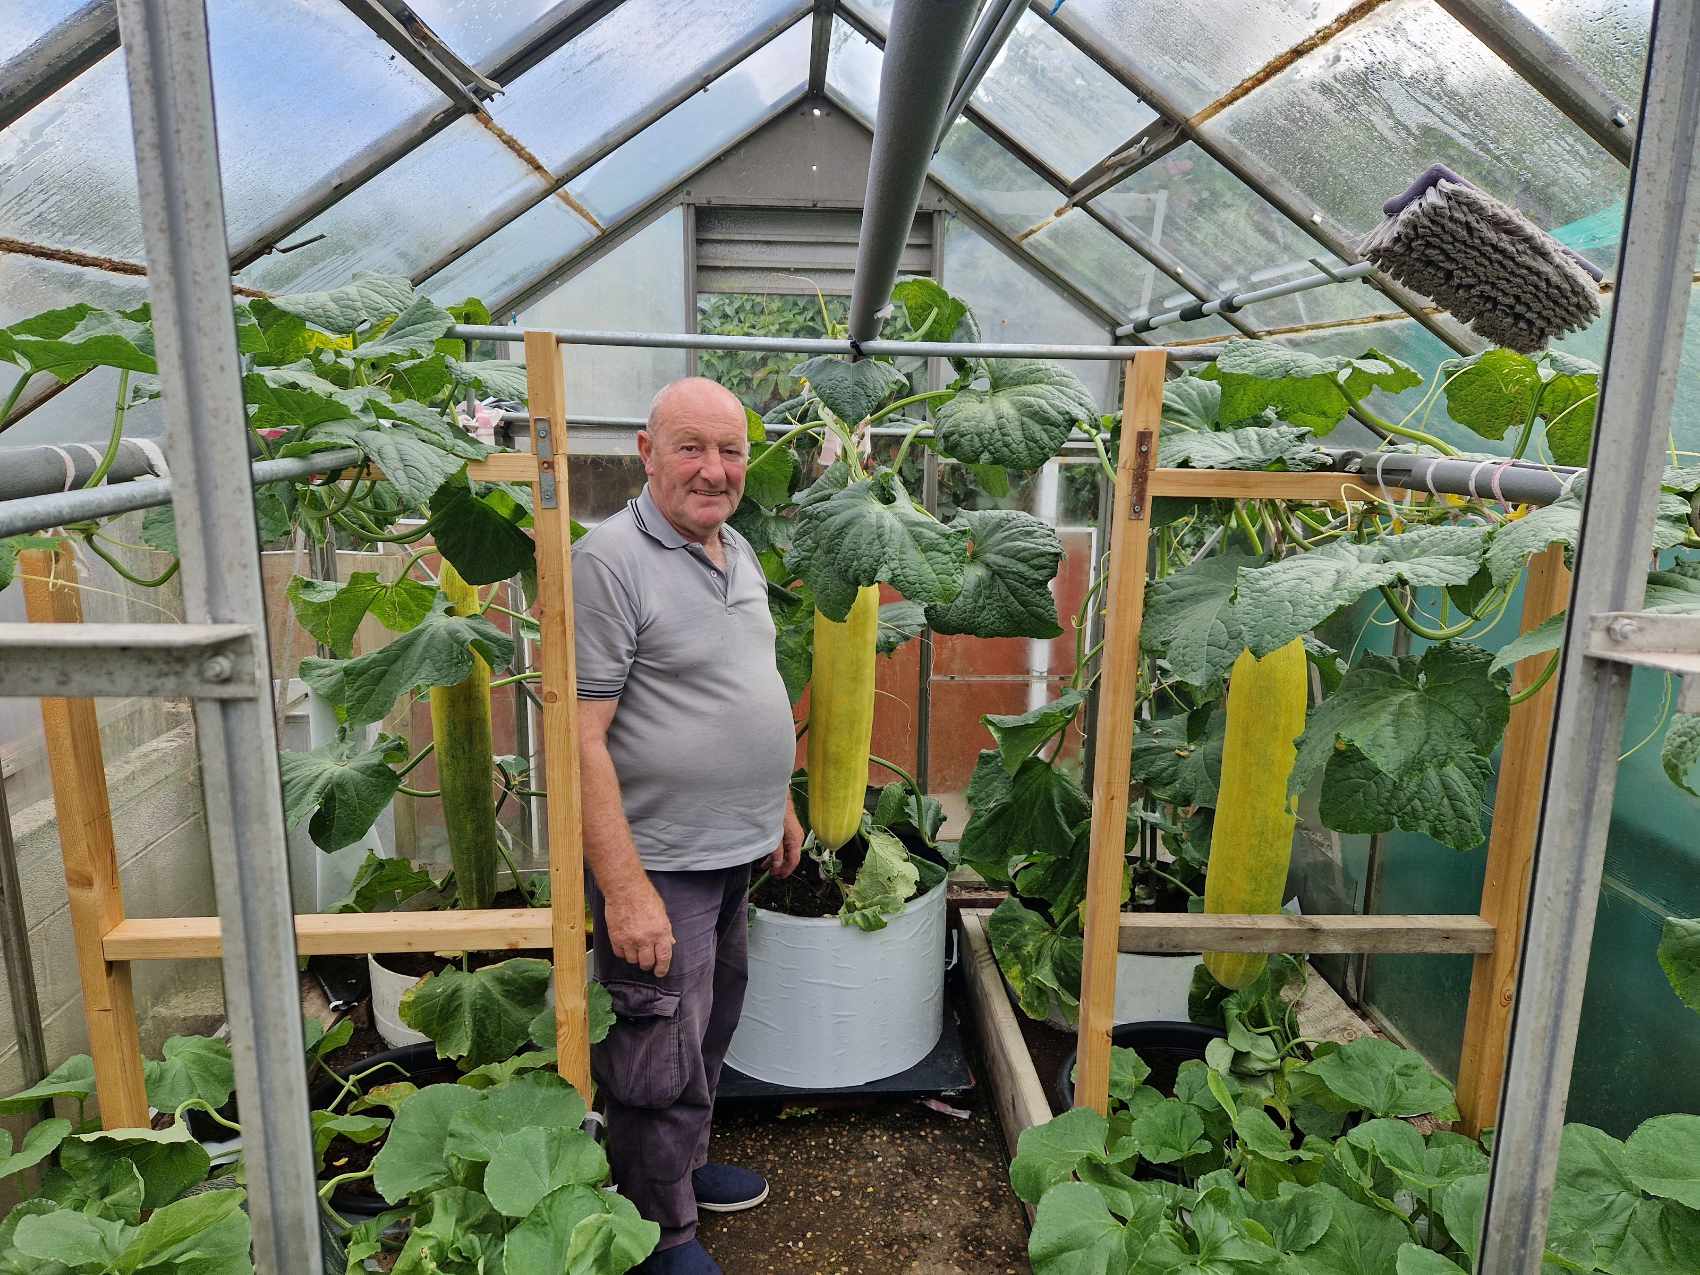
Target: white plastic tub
(388, 987)
(831, 1006)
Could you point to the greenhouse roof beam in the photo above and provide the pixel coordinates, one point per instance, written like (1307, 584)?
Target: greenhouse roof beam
(1549, 69)
(408, 137)
(63, 52)
(1643, 366)
(990, 34)
(395, 23)
(1152, 142)
(1273, 190)
(607, 145)
(820, 46)
(926, 37)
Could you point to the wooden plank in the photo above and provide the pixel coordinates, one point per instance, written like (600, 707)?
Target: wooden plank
(502, 467)
(340, 934)
(552, 529)
(1511, 848)
(1130, 545)
(1255, 485)
(1196, 932)
(1016, 1089)
(92, 885)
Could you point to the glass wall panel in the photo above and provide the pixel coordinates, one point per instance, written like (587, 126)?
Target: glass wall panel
(1056, 101)
(1196, 50)
(515, 255)
(1231, 239)
(1407, 87)
(406, 216)
(690, 135)
(643, 52)
(638, 286)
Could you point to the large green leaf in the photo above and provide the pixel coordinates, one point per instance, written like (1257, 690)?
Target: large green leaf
(381, 885)
(1179, 759)
(1041, 963)
(73, 1078)
(1020, 735)
(365, 299)
(296, 395)
(932, 313)
(1192, 622)
(343, 784)
(1679, 957)
(1280, 601)
(1569, 404)
(1006, 589)
(1383, 1079)
(414, 332)
(871, 532)
(884, 883)
(580, 1232)
(190, 1067)
(1414, 1259)
(415, 465)
(168, 1160)
(1680, 751)
(1169, 1131)
(851, 391)
(536, 1100)
(499, 378)
(1444, 799)
(438, 652)
(480, 1016)
(1251, 447)
(1662, 1157)
(332, 612)
(1049, 1153)
(39, 1143)
(1560, 523)
(1191, 403)
(412, 1160)
(898, 622)
(534, 1162)
(1036, 808)
(1359, 1240)
(1668, 593)
(771, 471)
(1074, 1233)
(1020, 420)
(478, 529)
(73, 1239)
(1595, 1196)
(1661, 1239)
(1304, 389)
(67, 343)
(1493, 392)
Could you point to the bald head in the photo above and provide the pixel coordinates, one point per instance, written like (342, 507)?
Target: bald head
(695, 449)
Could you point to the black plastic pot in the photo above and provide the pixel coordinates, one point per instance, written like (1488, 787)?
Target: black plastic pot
(1163, 1046)
(357, 1201)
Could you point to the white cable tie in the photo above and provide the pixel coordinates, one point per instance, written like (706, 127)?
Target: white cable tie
(1475, 473)
(1494, 482)
(156, 457)
(1381, 459)
(69, 464)
(1428, 476)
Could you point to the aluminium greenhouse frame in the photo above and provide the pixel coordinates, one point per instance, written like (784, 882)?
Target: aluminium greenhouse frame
(224, 661)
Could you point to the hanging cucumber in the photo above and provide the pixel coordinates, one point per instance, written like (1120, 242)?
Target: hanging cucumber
(841, 719)
(460, 727)
(1251, 841)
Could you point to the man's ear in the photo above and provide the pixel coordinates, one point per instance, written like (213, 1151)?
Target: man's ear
(646, 448)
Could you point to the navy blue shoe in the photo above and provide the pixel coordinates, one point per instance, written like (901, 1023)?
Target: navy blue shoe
(725, 1188)
(689, 1258)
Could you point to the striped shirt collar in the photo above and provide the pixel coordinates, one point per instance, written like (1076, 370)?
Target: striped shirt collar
(655, 525)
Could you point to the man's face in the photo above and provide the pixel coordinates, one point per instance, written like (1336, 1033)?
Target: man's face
(695, 459)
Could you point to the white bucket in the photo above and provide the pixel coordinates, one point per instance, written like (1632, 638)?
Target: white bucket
(831, 1006)
(388, 987)
(1148, 989)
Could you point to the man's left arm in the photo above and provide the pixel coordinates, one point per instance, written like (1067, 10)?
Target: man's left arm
(783, 861)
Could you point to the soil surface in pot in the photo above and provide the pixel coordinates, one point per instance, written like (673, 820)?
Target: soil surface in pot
(805, 894)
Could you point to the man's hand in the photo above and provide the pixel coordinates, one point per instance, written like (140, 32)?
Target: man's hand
(638, 929)
(783, 861)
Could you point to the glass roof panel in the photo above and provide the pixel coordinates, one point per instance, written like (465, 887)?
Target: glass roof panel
(1407, 87)
(1001, 187)
(1056, 101)
(406, 216)
(643, 52)
(485, 32)
(690, 135)
(853, 69)
(1230, 238)
(23, 22)
(67, 171)
(1609, 37)
(516, 254)
(1196, 50)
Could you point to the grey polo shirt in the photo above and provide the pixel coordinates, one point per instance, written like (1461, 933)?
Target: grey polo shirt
(702, 741)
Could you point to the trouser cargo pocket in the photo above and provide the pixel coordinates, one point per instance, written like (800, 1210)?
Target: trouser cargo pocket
(642, 1062)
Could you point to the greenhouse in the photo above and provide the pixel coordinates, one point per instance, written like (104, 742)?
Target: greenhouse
(931, 636)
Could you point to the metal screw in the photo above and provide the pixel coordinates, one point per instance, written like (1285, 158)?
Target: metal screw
(1620, 118)
(1622, 629)
(217, 668)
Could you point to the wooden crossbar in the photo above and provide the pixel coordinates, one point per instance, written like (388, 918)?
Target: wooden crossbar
(339, 934)
(1255, 485)
(1198, 932)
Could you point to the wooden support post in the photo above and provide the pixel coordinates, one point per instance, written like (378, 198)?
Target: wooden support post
(1511, 848)
(1130, 544)
(91, 856)
(552, 529)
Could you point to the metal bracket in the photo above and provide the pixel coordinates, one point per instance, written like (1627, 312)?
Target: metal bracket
(83, 661)
(1138, 492)
(1650, 640)
(543, 443)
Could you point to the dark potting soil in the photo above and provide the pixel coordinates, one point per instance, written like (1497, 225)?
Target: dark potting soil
(805, 894)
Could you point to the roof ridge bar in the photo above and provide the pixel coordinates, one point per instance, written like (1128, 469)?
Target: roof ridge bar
(926, 37)
(1273, 190)
(820, 46)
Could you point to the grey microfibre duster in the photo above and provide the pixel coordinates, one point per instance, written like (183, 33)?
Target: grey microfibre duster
(1484, 262)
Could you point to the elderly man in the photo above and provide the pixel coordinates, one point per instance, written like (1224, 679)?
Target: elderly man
(686, 747)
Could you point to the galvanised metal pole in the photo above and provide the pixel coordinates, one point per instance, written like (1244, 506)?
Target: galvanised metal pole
(1643, 356)
(990, 34)
(922, 53)
(182, 207)
(1519, 42)
(20, 965)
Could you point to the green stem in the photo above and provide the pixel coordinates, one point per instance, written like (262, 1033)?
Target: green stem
(378, 537)
(12, 401)
(1415, 435)
(200, 1104)
(901, 403)
(405, 791)
(415, 559)
(111, 454)
(513, 872)
(1246, 529)
(1417, 626)
(903, 447)
(331, 1184)
(121, 569)
(414, 761)
(1534, 687)
(897, 770)
(1664, 716)
(1103, 455)
(517, 677)
(1528, 432)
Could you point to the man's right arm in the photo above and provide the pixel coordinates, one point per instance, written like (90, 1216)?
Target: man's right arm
(638, 928)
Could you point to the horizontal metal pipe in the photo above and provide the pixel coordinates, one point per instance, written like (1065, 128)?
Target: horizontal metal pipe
(1236, 300)
(56, 508)
(1510, 481)
(29, 471)
(820, 345)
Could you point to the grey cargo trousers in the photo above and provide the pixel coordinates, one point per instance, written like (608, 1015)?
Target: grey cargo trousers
(659, 1066)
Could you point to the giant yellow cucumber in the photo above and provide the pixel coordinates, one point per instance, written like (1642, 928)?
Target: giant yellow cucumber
(1251, 842)
(841, 719)
(460, 728)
